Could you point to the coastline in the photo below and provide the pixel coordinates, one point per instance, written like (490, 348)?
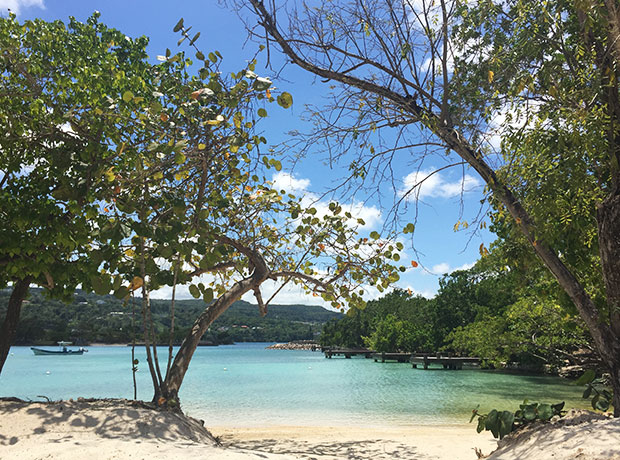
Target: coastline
(118, 429)
(115, 429)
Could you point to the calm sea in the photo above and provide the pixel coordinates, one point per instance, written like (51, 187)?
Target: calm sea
(247, 385)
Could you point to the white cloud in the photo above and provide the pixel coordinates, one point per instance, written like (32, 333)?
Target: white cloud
(429, 184)
(429, 294)
(444, 267)
(300, 187)
(286, 181)
(16, 5)
(441, 268)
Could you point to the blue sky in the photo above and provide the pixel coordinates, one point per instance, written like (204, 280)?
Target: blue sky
(436, 246)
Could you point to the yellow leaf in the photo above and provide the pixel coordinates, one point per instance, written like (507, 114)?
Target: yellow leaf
(136, 283)
(491, 75)
(202, 146)
(109, 175)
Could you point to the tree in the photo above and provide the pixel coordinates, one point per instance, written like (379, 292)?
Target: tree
(447, 68)
(196, 203)
(62, 134)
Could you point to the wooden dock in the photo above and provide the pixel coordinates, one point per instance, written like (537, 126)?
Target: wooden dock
(347, 352)
(398, 357)
(448, 362)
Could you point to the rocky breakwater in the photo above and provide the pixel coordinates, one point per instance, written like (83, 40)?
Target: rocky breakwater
(296, 345)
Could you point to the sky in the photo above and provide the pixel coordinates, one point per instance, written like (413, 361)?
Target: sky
(445, 198)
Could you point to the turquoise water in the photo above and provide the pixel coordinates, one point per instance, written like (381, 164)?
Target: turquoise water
(246, 385)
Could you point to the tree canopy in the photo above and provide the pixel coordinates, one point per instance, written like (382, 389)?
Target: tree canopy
(543, 77)
(179, 188)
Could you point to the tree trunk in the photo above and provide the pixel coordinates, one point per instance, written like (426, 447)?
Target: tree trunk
(608, 219)
(7, 333)
(174, 378)
(615, 386)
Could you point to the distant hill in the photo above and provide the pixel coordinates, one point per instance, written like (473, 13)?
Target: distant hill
(105, 319)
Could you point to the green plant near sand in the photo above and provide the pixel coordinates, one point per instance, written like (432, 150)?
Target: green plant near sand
(597, 389)
(500, 423)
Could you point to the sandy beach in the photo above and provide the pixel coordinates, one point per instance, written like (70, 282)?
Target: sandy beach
(120, 429)
(334, 443)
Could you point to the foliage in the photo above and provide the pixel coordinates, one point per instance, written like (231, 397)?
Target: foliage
(597, 389)
(529, 330)
(64, 131)
(539, 79)
(397, 321)
(106, 319)
(161, 171)
(401, 321)
(504, 422)
(391, 334)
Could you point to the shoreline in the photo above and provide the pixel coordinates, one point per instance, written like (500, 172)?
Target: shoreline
(113, 429)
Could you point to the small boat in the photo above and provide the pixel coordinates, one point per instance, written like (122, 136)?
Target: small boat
(63, 350)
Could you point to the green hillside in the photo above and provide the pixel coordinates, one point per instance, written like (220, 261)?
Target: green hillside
(92, 318)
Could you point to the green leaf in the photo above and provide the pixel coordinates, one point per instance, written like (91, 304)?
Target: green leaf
(208, 295)
(545, 412)
(179, 158)
(100, 285)
(194, 291)
(179, 25)
(587, 377)
(121, 293)
(492, 423)
(200, 55)
(127, 96)
(409, 228)
(529, 412)
(374, 235)
(262, 112)
(602, 404)
(285, 100)
(193, 40)
(506, 420)
(557, 408)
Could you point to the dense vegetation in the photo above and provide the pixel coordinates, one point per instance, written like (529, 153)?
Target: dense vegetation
(123, 176)
(106, 319)
(483, 312)
(525, 93)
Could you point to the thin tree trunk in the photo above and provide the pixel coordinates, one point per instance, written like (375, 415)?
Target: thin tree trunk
(134, 365)
(174, 378)
(172, 305)
(179, 367)
(9, 326)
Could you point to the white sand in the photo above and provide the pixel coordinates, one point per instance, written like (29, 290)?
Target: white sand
(580, 435)
(381, 443)
(106, 430)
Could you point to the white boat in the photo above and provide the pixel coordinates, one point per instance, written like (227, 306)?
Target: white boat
(63, 350)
